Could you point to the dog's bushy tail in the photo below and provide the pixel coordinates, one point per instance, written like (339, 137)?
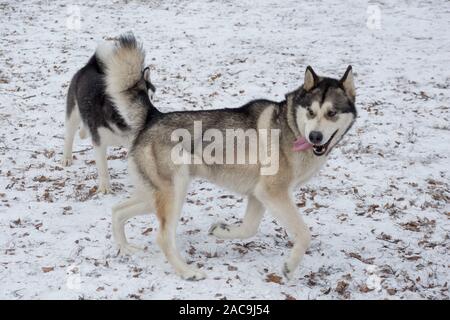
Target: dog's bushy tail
(122, 62)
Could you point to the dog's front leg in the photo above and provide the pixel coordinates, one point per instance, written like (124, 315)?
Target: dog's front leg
(279, 203)
(248, 227)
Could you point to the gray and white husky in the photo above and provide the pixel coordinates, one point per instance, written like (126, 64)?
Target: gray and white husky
(309, 124)
(115, 75)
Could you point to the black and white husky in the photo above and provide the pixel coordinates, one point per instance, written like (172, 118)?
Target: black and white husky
(108, 99)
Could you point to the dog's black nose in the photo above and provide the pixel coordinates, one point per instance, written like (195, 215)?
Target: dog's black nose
(315, 137)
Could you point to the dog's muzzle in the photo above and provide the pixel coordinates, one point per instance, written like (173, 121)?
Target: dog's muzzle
(320, 150)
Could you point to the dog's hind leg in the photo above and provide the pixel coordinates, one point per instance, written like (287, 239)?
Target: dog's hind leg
(121, 213)
(248, 227)
(102, 168)
(283, 209)
(72, 122)
(169, 202)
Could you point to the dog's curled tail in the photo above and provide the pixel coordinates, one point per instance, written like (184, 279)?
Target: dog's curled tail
(122, 62)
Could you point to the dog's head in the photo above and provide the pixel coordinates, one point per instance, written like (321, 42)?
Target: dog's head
(322, 111)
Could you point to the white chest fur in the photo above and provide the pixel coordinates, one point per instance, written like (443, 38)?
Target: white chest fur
(306, 164)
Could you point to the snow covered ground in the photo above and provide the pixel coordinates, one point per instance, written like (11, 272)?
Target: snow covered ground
(379, 210)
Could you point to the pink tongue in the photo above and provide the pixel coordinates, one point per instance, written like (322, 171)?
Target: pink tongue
(301, 144)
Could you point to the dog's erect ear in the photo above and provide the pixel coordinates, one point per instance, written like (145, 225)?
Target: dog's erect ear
(146, 74)
(348, 83)
(311, 79)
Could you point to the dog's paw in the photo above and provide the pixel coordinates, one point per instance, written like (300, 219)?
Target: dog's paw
(288, 272)
(129, 249)
(219, 230)
(193, 274)
(66, 161)
(104, 188)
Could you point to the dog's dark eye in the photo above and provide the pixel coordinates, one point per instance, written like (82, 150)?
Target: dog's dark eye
(331, 113)
(310, 112)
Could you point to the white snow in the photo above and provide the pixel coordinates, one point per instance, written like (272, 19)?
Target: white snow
(379, 210)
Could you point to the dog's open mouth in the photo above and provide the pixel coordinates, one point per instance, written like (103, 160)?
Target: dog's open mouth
(320, 150)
